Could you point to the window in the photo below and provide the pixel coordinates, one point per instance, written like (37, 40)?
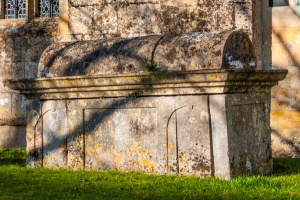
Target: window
(278, 3)
(48, 8)
(15, 9)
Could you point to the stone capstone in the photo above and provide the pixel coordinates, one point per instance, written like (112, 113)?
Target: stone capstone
(191, 51)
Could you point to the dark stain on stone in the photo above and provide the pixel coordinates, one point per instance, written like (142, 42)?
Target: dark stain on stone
(183, 67)
(34, 154)
(171, 55)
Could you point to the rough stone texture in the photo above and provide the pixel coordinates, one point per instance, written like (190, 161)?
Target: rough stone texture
(160, 123)
(145, 84)
(250, 153)
(22, 41)
(240, 125)
(281, 51)
(34, 131)
(12, 136)
(192, 51)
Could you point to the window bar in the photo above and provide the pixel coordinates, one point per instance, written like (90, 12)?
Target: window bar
(55, 8)
(10, 9)
(21, 9)
(45, 8)
(49, 8)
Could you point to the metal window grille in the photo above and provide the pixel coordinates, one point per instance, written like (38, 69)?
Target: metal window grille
(49, 8)
(15, 9)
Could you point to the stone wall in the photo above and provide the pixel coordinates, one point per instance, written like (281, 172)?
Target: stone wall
(281, 48)
(22, 41)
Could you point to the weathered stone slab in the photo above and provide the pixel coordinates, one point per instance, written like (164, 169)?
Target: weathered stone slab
(54, 134)
(239, 124)
(145, 84)
(193, 51)
(12, 136)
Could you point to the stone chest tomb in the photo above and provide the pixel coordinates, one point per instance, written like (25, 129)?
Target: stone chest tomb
(205, 112)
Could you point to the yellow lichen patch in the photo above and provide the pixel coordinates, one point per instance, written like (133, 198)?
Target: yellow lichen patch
(98, 146)
(72, 158)
(193, 65)
(147, 165)
(83, 103)
(132, 161)
(90, 149)
(73, 112)
(79, 166)
(170, 148)
(212, 77)
(117, 160)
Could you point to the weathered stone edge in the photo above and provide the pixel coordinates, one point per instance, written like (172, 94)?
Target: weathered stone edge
(150, 84)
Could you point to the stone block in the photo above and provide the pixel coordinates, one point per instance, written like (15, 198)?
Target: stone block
(138, 20)
(281, 92)
(285, 35)
(12, 136)
(224, 10)
(285, 119)
(2, 50)
(243, 16)
(54, 134)
(192, 51)
(18, 108)
(81, 20)
(295, 92)
(219, 136)
(132, 1)
(31, 70)
(8, 53)
(21, 45)
(199, 19)
(77, 3)
(34, 133)
(106, 19)
(180, 3)
(284, 54)
(5, 104)
(293, 76)
(230, 131)
(37, 47)
(279, 104)
(286, 142)
(295, 105)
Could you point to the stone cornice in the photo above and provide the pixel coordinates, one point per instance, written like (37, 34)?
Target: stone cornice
(149, 84)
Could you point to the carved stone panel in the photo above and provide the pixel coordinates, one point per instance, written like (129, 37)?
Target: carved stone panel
(123, 139)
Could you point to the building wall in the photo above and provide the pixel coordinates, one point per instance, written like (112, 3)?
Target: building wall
(22, 41)
(281, 50)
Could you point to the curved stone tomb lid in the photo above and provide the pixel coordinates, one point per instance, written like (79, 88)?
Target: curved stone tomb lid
(193, 51)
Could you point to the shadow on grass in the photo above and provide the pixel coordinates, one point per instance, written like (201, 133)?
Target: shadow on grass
(13, 156)
(283, 166)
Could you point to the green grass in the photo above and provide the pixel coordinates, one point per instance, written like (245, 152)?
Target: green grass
(19, 182)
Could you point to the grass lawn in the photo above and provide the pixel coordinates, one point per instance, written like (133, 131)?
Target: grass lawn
(19, 182)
